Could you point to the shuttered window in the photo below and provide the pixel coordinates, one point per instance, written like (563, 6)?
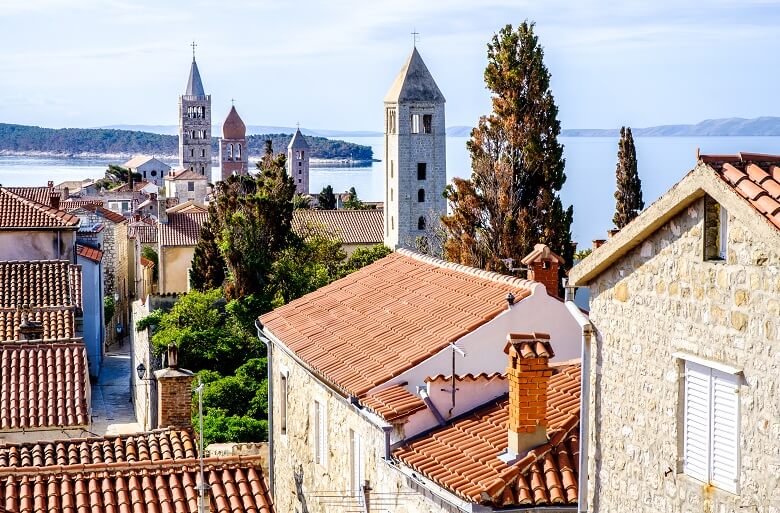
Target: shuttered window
(320, 433)
(283, 403)
(711, 430)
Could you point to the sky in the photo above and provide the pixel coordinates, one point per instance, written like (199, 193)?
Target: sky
(328, 65)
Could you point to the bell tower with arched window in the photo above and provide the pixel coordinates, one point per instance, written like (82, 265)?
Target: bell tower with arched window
(233, 156)
(195, 125)
(415, 158)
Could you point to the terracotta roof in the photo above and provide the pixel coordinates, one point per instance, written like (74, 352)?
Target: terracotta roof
(112, 216)
(40, 195)
(463, 455)
(467, 377)
(362, 330)
(146, 233)
(156, 445)
(146, 262)
(43, 385)
(58, 322)
(18, 212)
(76, 286)
(187, 206)
(541, 252)
(182, 228)
(393, 403)
(236, 485)
(754, 177)
(35, 283)
(185, 174)
(528, 345)
(90, 253)
(350, 226)
(233, 127)
(73, 204)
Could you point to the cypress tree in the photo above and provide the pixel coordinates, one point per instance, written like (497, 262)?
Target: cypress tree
(511, 202)
(628, 195)
(208, 264)
(326, 200)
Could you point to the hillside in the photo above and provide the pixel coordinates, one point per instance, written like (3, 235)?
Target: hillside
(21, 139)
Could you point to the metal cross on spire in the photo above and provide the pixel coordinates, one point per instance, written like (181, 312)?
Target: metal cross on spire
(232, 102)
(415, 37)
(193, 45)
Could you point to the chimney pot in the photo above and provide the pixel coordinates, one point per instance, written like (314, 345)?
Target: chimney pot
(50, 184)
(543, 266)
(597, 243)
(510, 298)
(173, 356)
(54, 200)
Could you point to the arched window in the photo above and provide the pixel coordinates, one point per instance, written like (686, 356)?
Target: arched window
(230, 151)
(238, 151)
(192, 152)
(421, 223)
(391, 194)
(421, 196)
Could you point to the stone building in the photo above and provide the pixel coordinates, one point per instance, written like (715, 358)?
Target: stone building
(298, 155)
(186, 185)
(363, 368)
(151, 169)
(178, 234)
(233, 153)
(686, 303)
(195, 126)
(415, 154)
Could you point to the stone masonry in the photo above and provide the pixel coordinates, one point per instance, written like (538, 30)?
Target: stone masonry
(663, 297)
(174, 397)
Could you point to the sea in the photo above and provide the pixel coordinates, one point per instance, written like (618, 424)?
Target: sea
(590, 171)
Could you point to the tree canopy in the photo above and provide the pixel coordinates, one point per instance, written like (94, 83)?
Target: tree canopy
(326, 200)
(628, 193)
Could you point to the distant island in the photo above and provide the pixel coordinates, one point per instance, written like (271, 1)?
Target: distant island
(725, 127)
(114, 143)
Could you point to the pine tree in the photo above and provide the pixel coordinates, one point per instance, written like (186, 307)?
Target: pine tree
(326, 200)
(511, 202)
(628, 194)
(208, 265)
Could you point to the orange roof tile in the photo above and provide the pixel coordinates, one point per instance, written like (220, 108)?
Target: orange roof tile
(144, 231)
(93, 254)
(72, 204)
(393, 403)
(754, 177)
(157, 445)
(76, 286)
(40, 195)
(146, 262)
(349, 226)
(112, 216)
(182, 228)
(235, 485)
(363, 329)
(43, 385)
(58, 323)
(18, 212)
(463, 455)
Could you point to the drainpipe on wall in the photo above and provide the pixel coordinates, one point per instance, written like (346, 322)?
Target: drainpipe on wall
(269, 363)
(587, 334)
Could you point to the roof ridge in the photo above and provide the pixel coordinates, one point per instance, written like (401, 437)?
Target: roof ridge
(46, 210)
(96, 438)
(529, 285)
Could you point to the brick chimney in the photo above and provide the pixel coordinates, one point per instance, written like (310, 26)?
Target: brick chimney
(597, 243)
(528, 374)
(543, 266)
(174, 393)
(54, 200)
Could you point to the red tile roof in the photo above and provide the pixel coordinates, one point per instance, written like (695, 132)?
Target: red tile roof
(145, 232)
(90, 253)
(40, 195)
(350, 226)
(18, 212)
(146, 262)
(43, 385)
(182, 228)
(184, 174)
(393, 403)
(362, 330)
(73, 204)
(236, 485)
(157, 445)
(58, 323)
(76, 286)
(754, 177)
(463, 455)
(112, 216)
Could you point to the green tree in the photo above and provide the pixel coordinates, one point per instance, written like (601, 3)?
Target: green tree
(362, 257)
(352, 202)
(109, 308)
(208, 265)
(301, 202)
(511, 202)
(326, 200)
(628, 194)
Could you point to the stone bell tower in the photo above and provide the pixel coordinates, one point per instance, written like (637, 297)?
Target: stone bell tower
(233, 155)
(298, 162)
(415, 154)
(195, 125)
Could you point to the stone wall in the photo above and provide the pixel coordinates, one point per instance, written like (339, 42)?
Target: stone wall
(295, 452)
(662, 298)
(144, 391)
(174, 397)
(175, 262)
(38, 245)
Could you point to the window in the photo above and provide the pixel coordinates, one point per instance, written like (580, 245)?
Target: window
(300, 164)
(230, 151)
(421, 223)
(144, 174)
(192, 152)
(415, 123)
(421, 196)
(392, 166)
(711, 426)
(320, 434)
(238, 152)
(190, 186)
(390, 121)
(299, 180)
(715, 230)
(421, 170)
(392, 223)
(391, 194)
(357, 477)
(154, 173)
(283, 404)
(202, 153)
(427, 124)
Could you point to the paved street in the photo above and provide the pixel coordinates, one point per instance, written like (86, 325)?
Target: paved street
(112, 411)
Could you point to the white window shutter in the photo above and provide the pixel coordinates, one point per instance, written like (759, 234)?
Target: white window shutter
(725, 431)
(696, 436)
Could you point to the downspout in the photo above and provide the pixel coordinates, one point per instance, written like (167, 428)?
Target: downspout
(269, 363)
(587, 334)
(423, 393)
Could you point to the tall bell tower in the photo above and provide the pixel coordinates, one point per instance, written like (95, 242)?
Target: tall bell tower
(415, 155)
(195, 124)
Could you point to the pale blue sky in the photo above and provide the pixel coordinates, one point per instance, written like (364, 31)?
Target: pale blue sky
(328, 64)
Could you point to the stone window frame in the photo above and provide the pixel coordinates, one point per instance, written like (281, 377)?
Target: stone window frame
(715, 231)
(320, 432)
(357, 465)
(680, 359)
(284, 390)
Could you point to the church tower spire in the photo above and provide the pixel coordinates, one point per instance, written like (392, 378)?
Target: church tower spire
(195, 124)
(298, 162)
(233, 155)
(415, 155)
